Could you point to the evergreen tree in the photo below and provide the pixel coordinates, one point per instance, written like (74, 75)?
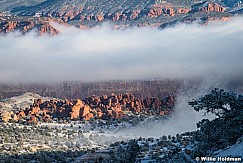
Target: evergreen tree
(226, 128)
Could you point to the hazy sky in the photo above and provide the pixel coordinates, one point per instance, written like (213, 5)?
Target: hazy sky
(135, 53)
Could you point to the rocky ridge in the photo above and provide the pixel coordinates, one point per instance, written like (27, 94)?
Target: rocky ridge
(123, 13)
(94, 107)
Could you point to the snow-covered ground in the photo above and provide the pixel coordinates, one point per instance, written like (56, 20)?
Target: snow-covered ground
(234, 151)
(22, 101)
(100, 134)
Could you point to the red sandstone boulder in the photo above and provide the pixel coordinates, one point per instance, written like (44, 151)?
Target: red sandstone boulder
(99, 17)
(75, 110)
(21, 114)
(74, 114)
(88, 116)
(84, 111)
(34, 110)
(134, 14)
(5, 116)
(116, 16)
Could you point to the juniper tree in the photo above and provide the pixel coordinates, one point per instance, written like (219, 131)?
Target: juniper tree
(226, 128)
(218, 102)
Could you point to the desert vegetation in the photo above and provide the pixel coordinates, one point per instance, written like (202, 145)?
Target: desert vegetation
(89, 141)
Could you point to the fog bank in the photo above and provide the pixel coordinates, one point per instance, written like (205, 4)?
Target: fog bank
(184, 118)
(183, 51)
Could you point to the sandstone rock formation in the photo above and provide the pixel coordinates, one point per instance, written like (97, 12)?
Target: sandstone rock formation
(98, 107)
(207, 7)
(47, 29)
(123, 13)
(25, 26)
(5, 116)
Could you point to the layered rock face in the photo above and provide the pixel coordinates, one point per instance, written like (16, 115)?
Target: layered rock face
(25, 26)
(8, 26)
(93, 107)
(47, 28)
(207, 7)
(167, 10)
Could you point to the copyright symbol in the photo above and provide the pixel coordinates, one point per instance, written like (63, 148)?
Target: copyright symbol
(197, 159)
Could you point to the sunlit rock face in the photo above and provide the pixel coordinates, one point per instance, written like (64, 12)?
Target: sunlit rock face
(93, 107)
(123, 14)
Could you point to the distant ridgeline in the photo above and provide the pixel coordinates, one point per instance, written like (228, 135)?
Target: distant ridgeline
(120, 106)
(24, 17)
(141, 89)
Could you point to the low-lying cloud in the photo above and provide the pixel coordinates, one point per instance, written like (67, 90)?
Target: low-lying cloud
(183, 119)
(183, 51)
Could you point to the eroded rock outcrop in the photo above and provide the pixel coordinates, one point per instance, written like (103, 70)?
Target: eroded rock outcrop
(98, 107)
(5, 116)
(207, 7)
(8, 26)
(26, 26)
(123, 14)
(47, 29)
(99, 17)
(161, 9)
